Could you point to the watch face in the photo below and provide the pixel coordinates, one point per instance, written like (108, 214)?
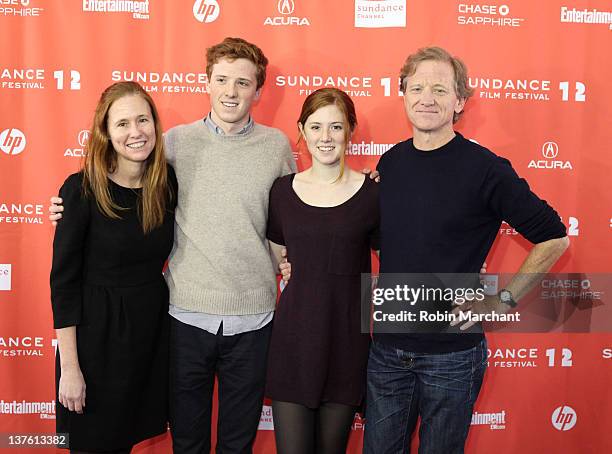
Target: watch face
(505, 296)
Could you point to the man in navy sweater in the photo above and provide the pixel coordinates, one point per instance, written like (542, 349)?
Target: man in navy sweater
(443, 199)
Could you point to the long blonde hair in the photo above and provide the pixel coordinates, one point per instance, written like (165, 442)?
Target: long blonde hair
(101, 159)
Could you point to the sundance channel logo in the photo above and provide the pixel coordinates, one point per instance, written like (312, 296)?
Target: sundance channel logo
(380, 13)
(266, 421)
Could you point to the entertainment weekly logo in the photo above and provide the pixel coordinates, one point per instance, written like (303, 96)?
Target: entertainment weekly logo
(165, 82)
(11, 347)
(206, 11)
(586, 16)
(353, 85)
(46, 410)
(487, 15)
(286, 16)
(21, 213)
(364, 148)
(495, 421)
(20, 8)
(138, 9)
(12, 141)
(5, 276)
(78, 150)
(380, 13)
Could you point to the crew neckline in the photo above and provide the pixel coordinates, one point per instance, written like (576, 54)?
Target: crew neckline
(347, 201)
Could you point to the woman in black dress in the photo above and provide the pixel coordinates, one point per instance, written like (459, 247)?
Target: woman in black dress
(327, 217)
(109, 298)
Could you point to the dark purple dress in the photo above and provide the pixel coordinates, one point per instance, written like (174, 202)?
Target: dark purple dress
(318, 352)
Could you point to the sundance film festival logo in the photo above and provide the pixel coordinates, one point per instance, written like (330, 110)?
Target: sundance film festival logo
(550, 151)
(5, 276)
(355, 86)
(206, 11)
(564, 418)
(511, 89)
(286, 8)
(139, 9)
(380, 13)
(21, 213)
(487, 15)
(21, 346)
(79, 152)
(22, 78)
(20, 8)
(12, 141)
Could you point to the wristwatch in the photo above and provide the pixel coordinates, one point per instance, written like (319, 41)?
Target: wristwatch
(505, 296)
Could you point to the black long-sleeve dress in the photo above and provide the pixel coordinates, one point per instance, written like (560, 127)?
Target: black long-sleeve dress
(107, 281)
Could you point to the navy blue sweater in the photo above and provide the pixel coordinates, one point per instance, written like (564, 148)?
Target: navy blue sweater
(440, 213)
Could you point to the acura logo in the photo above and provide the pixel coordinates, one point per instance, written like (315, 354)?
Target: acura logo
(286, 6)
(550, 150)
(83, 137)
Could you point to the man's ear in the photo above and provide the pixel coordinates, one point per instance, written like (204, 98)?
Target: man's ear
(460, 105)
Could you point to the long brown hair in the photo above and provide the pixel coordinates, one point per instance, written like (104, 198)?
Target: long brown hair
(326, 97)
(101, 159)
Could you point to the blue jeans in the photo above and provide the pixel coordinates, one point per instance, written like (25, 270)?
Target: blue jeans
(440, 388)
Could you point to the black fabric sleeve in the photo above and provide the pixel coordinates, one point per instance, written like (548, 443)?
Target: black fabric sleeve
(68, 252)
(173, 185)
(510, 197)
(274, 230)
(375, 210)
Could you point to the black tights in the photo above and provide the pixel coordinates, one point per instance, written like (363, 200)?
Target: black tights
(302, 430)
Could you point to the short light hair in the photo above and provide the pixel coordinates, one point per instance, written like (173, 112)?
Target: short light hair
(462, 88)
(234, 48)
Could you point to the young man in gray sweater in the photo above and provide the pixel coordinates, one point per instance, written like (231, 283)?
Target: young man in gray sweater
(221, 279)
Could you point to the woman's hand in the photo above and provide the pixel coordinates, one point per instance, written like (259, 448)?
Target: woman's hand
(72, 389)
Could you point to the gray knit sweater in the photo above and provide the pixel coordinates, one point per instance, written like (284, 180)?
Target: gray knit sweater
(220, 262)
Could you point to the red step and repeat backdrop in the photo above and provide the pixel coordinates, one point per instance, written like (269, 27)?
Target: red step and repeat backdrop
(542, 78)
